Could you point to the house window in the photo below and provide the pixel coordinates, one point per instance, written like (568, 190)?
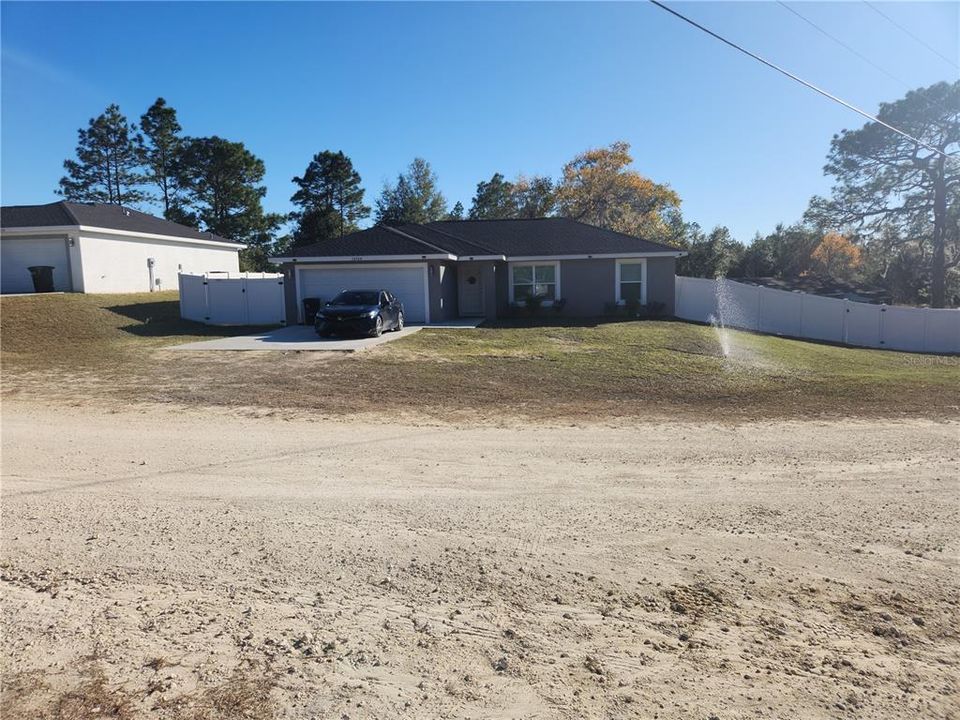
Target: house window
(632, 282)
(534, 279)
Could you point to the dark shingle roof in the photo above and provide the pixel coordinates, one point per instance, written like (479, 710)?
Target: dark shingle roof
(512, 238)
(825, 286)
(52, 215)
(448, 241)
(375, 241)
(102, 215)
(547, 236)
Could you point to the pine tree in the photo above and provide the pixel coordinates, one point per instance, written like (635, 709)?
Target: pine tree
(494, 200)
(162, 151)
(414, 199)
(329, 198)
(107, 167)
(222, 190)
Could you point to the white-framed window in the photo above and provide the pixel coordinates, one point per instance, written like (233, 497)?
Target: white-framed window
(631, 281)
(529, 279)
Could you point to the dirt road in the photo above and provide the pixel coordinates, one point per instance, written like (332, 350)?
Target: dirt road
(201, 565)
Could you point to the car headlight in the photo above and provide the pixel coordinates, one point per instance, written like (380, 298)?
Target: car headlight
(373, 313)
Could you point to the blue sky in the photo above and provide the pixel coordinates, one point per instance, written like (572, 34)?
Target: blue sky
(473, 88)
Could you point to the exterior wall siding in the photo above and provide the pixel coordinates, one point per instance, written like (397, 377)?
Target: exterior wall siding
(98, 263)
(112, 264)
(661, 282)
(290, 293)
(496, 275)
(589, 285)
(442, 279)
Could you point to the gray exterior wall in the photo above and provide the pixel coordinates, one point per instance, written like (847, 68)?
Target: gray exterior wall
(442, 279)
(589, 285)
(495, 276)
(290, 293)
(662, 282)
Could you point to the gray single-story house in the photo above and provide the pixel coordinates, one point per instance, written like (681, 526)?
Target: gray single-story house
(446, 270)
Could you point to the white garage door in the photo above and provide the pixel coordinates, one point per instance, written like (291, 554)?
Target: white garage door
(17, 254)
(408, 283)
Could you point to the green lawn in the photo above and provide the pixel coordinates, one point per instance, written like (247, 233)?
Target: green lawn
(108, 347)
(50, 330)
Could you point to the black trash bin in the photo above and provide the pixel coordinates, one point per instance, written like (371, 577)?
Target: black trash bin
(311, 306)
(42, 278)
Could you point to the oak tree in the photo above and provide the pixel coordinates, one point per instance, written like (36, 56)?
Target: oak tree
(599, 187)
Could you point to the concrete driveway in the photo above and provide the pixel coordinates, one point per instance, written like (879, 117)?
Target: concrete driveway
(295, 337)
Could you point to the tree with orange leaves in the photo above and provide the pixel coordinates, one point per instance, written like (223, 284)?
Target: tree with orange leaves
(836, 256)
(599, 188)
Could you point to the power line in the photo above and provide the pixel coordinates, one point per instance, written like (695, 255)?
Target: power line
(919, 39)
(842, 44)
(798, 79)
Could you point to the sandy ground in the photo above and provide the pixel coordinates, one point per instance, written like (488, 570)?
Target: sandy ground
(202, 565)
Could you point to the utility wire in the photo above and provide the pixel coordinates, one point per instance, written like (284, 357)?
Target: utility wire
(798, 79)
(841, 43)
(919, 39)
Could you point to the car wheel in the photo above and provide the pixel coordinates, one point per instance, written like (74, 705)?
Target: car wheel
(399, 326)
(323, 330)
(377, 326)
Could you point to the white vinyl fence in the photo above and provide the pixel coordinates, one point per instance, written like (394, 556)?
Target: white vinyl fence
(800, 315)
(233, 299)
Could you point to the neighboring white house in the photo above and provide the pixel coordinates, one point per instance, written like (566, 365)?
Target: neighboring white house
(102, 248)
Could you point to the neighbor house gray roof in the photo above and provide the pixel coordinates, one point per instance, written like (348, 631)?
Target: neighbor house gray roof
(820, 285)
(509, 238)
(102, 215)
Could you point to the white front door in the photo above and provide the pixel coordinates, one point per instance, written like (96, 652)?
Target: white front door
(470, 284)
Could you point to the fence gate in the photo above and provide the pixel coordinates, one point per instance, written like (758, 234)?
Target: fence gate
(233, 299)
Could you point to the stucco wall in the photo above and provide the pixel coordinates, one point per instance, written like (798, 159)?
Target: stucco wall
(589, 285)
(495, 274)
(290, 293)
(112, 264)
(661, 282)
(442, 279)
(586, 285)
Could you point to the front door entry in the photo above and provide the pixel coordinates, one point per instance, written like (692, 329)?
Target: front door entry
(470, 290)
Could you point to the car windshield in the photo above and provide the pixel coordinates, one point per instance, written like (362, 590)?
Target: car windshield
(356, 297)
